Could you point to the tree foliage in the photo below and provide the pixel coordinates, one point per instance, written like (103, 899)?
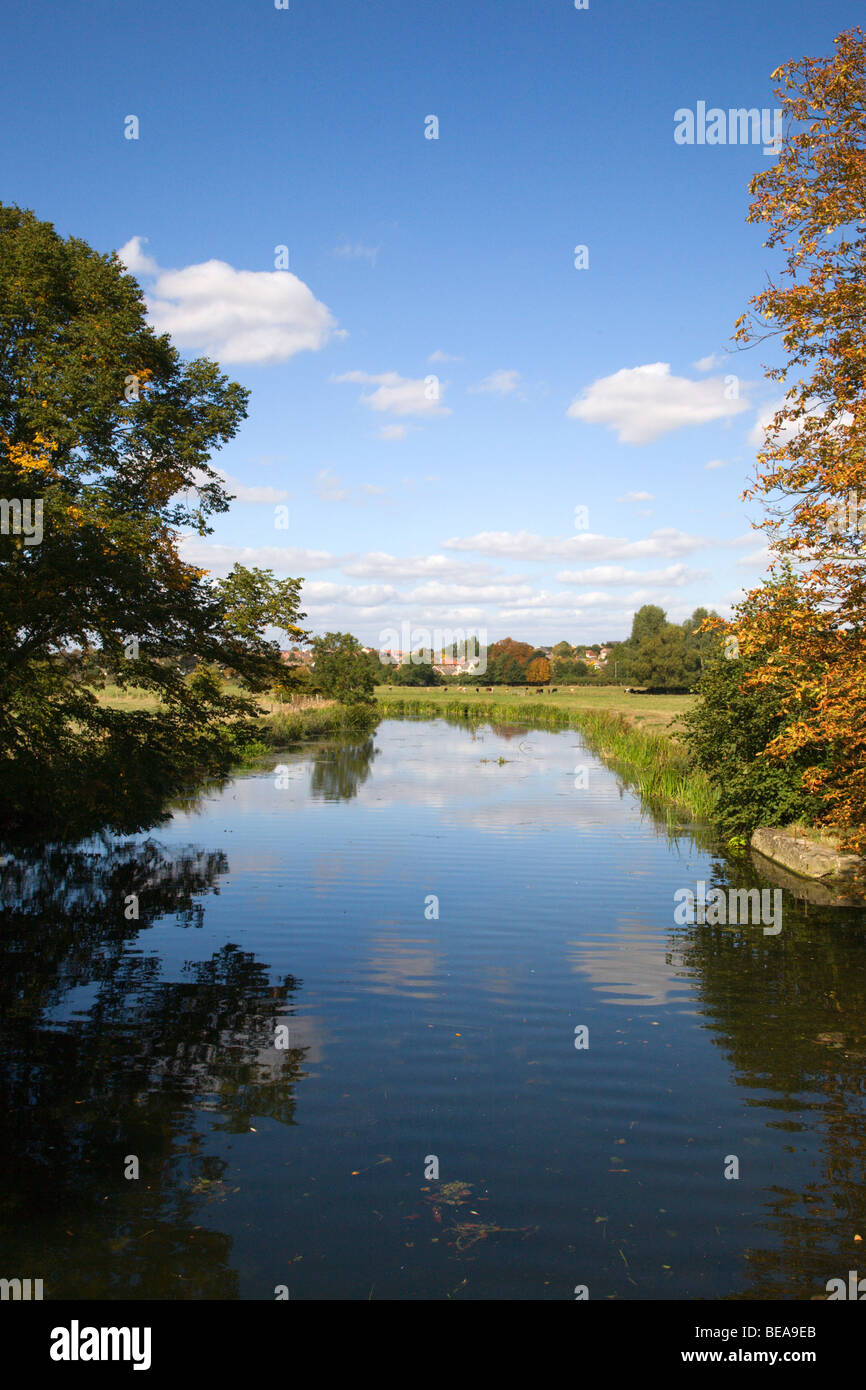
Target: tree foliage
(109, 434)
(804, 635)
(665, 655)
(731, 729)
(538, 671)
(341, 670)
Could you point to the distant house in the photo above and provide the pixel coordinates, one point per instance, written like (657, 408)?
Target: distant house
(456, 665)
(295, 657)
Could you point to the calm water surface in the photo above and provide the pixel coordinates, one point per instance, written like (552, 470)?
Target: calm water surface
(298, 907)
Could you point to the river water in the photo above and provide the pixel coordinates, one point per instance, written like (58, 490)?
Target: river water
(435, 950)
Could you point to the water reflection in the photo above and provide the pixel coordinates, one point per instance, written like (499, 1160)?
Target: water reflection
(339, 770)
(790, 1016)
(104, 1060)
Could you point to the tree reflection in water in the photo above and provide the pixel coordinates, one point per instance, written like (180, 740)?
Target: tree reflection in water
(802, 1059)
(129, 1073)
(339, 770)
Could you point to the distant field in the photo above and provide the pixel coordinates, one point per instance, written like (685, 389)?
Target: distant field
(117, 697)
(659, 713)
(655, 713)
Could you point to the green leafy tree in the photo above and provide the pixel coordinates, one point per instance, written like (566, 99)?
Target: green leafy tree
(655, 653)
(570, 670)
(728, 731)
(341, 670)
(252, 599)
(108, 435)
(417, 673)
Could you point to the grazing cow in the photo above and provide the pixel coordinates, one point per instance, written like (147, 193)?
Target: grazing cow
(488, 688)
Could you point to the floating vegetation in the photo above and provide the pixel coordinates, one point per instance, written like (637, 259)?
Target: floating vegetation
(451, 1194)
(464, 1234)
(211, 1188)
(468, 1233)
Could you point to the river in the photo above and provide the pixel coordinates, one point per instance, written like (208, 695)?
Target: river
(411, 1017)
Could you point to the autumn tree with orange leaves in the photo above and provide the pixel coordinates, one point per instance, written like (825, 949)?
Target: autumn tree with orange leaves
(801, 636)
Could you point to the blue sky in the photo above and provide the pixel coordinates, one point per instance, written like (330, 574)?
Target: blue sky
(445, 504)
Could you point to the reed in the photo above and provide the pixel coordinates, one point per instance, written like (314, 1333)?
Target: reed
(290, 726)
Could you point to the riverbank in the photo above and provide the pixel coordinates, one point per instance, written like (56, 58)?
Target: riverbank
(123, 773)
(278, 723)
(285, 724)
(806, 856)
(659, 713)
(655, 764)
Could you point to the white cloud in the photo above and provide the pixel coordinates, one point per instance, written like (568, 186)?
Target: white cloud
(219, 559)
(667, 542)
(643, 403)
(233, 315)
(636, 497)
(135, 259)
(554, 602)
(790, 428)
(677, 575)
(435, 592)
(379, 563)
(329, 488)
(716, 463)
(243, 493)
(713, 359)
(747, 538)
(760, 557)
(362, 595)
(440, 356)
(500, 383)
(398, 395)
(393, 431)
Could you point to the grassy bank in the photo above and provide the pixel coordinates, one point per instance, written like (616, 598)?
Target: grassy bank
(660, 713)
(655, 764)
(279, 722)
(286, 725)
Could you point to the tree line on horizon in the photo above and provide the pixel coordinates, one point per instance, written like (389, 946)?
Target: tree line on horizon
(658, 654)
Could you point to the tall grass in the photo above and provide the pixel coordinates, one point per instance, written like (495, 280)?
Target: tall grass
(656, 765)
(289, 726)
